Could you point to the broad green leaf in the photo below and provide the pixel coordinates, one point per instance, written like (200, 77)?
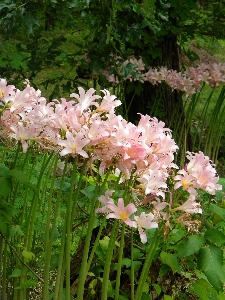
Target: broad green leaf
(204, 290)
(218, 210)
(210, 260)
(16, 273)
(215, 236)
(170, 260)
(190, 245)
(22, 178)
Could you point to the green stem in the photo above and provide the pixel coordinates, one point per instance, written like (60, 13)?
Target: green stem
(48, 243)
(147, 265)
(4, 278)
(68, 224)
(132, 264)
(60, 270)
(119, 266)
(84, 263)
(95, 244)
(109, 255)
(1, 263)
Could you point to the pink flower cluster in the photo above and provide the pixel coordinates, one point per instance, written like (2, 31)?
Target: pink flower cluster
(189, 82)
(199, 173)
(87, 127)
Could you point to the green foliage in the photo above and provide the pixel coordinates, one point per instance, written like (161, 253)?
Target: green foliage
(210, 260)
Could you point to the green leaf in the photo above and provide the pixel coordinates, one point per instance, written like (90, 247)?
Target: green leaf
(104, 244)
(137, 253)
(218, 210)
(167, 297)
(27, 255)
(126, 262)
(27, 284)
(210, 260)
(16, 229)
(163, 270)
(171, 260)
(190, 245)
(6, 186)
(16, 273)
(3, 170)
(3, 226)
(6, 211)
(215, 236)
(204, 290)
(22, 178)
(157, 288)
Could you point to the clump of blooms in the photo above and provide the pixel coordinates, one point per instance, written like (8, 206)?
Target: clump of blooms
(207, 71)
(87, 127)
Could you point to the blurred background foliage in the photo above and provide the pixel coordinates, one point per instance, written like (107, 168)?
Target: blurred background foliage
(60, 45)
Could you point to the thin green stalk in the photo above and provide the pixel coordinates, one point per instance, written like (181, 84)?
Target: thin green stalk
(84, 263)
(30, 221)
(147, 265)
(109, 255)
(48, 245)
(1, 263)
(95, 244)
(119, 266)
(60, 270)
(33, 210)
(78, 188)
(68, 225)
(4, 277)
(132, 264)
(18, 150)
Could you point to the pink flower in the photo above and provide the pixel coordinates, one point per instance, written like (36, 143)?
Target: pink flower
(74, 144)
(122, 212)
(85, 99)
(186, 181)
(190, 206)
(153, 181)
(105, 200)
(144, 221)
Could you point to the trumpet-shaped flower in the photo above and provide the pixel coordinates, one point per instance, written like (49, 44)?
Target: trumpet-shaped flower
(122, 212)
(144, 221)
(85, 99)
(105, 200)
(74, 144)
(190, 206)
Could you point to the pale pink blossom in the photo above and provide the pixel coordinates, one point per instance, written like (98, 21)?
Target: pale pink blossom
(105, 200)
(190, 206)
(85, 99)
(144, 221)
(74, 144)
(122, 212)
